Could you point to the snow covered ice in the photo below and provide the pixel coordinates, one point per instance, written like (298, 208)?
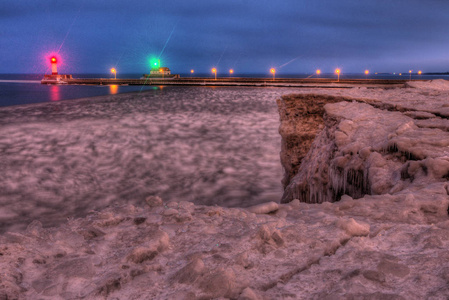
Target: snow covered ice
(385, 238)
(206, 145)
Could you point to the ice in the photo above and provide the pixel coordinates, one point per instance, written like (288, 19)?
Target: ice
(436, 84)
(368, 145)
(390, 243)
(206, 145)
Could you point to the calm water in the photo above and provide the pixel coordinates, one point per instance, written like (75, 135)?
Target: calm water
(202, 144)
(19, 89)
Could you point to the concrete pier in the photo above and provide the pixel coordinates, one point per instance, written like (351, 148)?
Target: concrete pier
(240, 81)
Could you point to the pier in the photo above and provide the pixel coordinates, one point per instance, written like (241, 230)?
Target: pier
(232, 81)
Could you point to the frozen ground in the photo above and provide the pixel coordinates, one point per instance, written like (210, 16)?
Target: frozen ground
(205, 145)
(388, 244)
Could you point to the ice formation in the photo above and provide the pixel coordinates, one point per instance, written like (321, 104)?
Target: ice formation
(365, 146)
(390, 243)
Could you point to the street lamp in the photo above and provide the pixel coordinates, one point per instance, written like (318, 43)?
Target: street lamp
(410, 71)
(114, 72)
(215, 72)
(419, 73)
(318, 72)
(231, 71)
(191, 72)
(366, 74)
(338, 71)
(273, 71)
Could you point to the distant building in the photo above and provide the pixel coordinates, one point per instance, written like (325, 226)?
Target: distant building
(162, 72)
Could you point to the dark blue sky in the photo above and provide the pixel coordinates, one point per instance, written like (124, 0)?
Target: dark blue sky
(295, 36)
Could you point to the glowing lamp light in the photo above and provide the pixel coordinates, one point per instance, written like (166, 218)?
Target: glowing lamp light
(114, 71)
(231, 71)
(318, 72)
(53, 59)
(191, 71)
(155, 63)
(366, 72)
(273, 71)
(419, 72)
(338, 71)
(215, 72)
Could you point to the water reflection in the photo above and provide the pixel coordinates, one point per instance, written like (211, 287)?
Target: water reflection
(55, 94)
(113, 89)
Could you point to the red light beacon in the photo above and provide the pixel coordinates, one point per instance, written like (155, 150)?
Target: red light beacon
(54, 69)
(55, 78)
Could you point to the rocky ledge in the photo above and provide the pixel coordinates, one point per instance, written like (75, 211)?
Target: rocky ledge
(343, 143)
(385, 236)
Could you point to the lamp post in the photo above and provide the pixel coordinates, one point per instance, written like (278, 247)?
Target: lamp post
(231, 71)
(191, 72)
(318, 72)
(215, 72)
(114, 72)
(366, 74)
(410, 71)
(338, 71)
(273, 71)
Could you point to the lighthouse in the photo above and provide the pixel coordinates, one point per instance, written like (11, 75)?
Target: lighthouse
(55, 78)
(54, 68)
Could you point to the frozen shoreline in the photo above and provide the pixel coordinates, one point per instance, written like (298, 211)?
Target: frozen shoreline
(391, 244)
(64, 159)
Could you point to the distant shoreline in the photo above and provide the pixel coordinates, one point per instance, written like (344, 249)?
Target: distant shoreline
(443, 73)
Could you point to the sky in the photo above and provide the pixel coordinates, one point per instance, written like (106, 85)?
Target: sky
(250, 36)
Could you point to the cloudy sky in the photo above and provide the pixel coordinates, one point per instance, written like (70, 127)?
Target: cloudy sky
(294, 36)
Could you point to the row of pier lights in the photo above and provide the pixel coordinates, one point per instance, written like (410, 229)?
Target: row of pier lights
(318, 72)
(272, 71)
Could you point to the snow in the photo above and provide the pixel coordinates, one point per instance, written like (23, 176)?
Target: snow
(437, 84)
(388, 241)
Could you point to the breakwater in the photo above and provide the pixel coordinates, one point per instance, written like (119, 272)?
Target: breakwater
(261, 82)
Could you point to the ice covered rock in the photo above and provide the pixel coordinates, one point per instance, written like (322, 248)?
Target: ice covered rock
(361, 149)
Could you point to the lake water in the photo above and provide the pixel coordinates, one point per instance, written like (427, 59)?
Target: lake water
(17, 89)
